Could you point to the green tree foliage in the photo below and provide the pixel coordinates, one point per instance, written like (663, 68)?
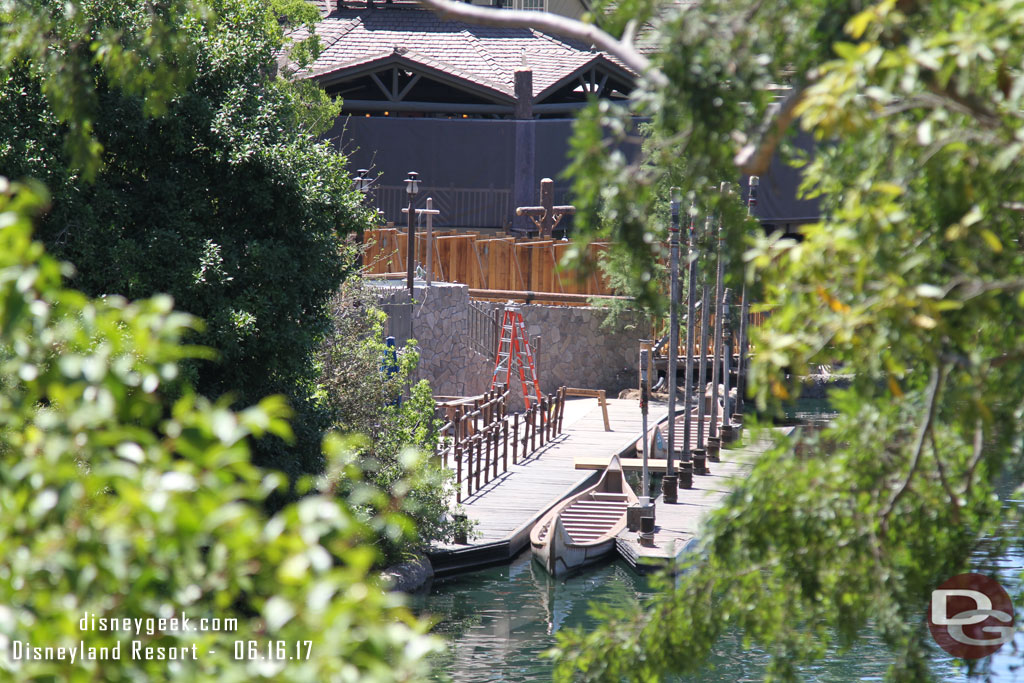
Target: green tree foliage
(208, 185)
(914, 278)
(118, 505)
(362, 381)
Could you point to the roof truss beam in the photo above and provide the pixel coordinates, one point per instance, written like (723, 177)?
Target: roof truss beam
(393, 94)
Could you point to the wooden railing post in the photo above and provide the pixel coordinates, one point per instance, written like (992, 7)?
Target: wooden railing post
(561, 407)
(485, 449)
(495, 438)
(479, 458)
(457, 450)
(527, 426)
(515, 438)
(504, 449)
(534, 415)
(486, 446)
(469, 467)
(545, 421)
(476, 442)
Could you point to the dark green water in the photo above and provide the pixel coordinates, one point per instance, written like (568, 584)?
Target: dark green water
(499, 620)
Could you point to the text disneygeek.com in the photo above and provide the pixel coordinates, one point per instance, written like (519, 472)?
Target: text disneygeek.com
(135, 649)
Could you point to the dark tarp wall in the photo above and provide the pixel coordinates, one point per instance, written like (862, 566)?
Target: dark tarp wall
(777, 203)
(468, 166)
(463, 164)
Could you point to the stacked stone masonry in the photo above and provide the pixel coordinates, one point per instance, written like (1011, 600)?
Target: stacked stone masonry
(577, 347)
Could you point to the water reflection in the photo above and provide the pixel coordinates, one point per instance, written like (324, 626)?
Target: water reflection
(499, 621)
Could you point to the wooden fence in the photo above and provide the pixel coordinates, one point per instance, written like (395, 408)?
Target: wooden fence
(485, 261)
(479, 433)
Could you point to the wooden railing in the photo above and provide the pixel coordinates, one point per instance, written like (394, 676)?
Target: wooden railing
(479, 434)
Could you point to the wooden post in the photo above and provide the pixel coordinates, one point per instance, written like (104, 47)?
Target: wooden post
(479, 460)
(526, 433)
(561, 410)
(552, 408)
(458, 470)
(599, 394)
(504, 448)
(496, 439)
(603, 400)
(534, 414)
(515, 438)
(476, 437)
(540, 421)
(546, 216)
(430, 238)
(469, 467)
(485, 447)
(487, 439)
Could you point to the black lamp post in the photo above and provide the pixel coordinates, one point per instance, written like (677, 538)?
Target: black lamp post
(669, 484)
(412, 188)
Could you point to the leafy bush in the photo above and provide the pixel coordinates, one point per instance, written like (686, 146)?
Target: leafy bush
(221, 197)
(366, 397)
(118, 505)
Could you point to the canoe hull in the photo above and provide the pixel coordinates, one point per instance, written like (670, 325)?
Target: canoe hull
(581, 530)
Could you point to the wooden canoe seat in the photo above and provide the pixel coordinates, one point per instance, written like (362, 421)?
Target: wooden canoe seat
(602, 496)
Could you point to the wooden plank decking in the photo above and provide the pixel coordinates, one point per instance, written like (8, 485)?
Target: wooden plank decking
(677, 525)
(506, 509)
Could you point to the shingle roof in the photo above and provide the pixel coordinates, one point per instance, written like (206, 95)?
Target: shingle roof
(486, 57)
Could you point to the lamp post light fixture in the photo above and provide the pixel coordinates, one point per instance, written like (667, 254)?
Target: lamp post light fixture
(412, 188)
(363, 182)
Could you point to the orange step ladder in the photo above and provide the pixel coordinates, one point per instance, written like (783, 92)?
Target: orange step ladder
(515, 341)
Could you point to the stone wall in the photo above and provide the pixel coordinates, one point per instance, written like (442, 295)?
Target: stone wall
(438, 321)
(576, 350)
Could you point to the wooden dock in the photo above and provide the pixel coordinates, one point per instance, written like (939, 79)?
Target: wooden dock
(676, 526)
(506, 509)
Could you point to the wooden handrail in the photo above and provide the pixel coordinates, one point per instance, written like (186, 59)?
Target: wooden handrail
(480, 437)
(528, 296)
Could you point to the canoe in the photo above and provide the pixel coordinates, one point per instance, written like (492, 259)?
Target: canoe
(581, 529)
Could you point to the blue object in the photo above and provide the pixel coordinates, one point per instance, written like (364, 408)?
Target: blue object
(389, 366)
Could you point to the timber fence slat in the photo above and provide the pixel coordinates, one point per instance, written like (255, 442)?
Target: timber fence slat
(496, 262)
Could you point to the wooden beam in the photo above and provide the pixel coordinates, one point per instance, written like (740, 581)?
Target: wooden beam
(540, 296)
(599, 394)
(600, 462)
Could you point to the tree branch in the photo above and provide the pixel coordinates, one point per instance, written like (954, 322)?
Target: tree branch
(755, 157)
(969, 104)
(979, 441)
(938, 374)
(550, 23)
(954, 500)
